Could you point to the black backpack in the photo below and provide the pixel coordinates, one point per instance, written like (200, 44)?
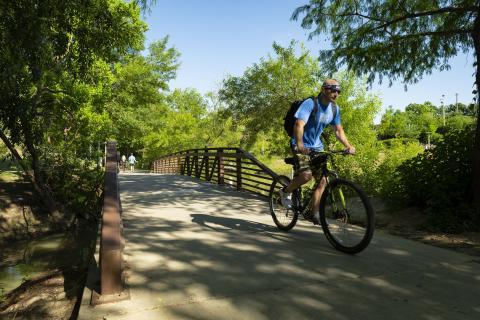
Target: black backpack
(289, 120)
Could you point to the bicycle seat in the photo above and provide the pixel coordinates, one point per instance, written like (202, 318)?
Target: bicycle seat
(289, 160)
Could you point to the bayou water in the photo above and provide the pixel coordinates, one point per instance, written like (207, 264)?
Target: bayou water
(23, 260)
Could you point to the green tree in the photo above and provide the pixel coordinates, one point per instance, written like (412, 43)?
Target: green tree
(459, 121)
(463, 109)
(260, 97)
(47, 50)
(138, 91)
(423, 120)
(398, 39)
(184, 124)
(358, 110)
(395, 124)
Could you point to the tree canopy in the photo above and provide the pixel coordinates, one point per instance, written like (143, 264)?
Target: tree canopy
(49, 51)
(267, 88)
(397, 40)
(418, 36)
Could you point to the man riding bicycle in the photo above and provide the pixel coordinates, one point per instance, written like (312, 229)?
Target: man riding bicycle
(306, 138)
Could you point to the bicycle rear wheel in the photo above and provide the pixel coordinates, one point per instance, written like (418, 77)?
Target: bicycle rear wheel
(347, 216)
(285, 219)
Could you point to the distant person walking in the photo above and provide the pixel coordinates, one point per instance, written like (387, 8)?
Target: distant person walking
(124, 162)
(132, 162)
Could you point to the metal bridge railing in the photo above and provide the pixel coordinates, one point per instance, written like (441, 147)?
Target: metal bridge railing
(225, 166)
(112, 287)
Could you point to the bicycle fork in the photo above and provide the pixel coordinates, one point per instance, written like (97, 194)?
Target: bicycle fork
(342, 200)
(338, 213)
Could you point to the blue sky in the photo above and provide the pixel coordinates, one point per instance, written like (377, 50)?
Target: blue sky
(221, 37)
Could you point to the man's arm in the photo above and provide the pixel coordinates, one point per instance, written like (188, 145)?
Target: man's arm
(298, 132)
(340, 135)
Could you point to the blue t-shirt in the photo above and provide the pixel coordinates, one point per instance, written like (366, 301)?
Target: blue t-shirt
(314, 125)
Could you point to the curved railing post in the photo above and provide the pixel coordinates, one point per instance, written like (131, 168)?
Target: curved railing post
(239, 169)
(179, 167)
(197, 168)
(189, 167)
(221, 168)
(206, 160)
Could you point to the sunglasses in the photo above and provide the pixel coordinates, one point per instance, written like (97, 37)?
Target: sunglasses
(333, 88)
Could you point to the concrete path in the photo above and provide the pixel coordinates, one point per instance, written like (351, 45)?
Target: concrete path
(198, 251)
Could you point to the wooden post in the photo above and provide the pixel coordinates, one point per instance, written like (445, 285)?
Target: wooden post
(182, 168)
(206, 159)
(187, 160)
(221, 169)
(178, 167)
(197, 173)
(239, 170)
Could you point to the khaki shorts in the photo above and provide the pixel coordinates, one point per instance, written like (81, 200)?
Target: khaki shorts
(301, 163)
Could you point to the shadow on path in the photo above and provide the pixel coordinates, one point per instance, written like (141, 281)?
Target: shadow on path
(199, 251)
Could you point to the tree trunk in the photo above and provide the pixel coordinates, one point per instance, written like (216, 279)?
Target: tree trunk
(40, 186)
(13, 151)
(34, 176)
(476, 148)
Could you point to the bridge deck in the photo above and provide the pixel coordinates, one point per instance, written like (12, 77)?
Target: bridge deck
(198, 251)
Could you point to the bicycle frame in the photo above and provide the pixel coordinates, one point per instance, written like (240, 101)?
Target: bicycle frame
(326, 173)
(346, 216)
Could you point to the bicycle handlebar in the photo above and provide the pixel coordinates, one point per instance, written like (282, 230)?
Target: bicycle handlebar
(314, 154)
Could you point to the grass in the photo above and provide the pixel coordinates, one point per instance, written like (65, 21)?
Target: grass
(13, 186)
(9, 176)
(277, 165)
(9, 172)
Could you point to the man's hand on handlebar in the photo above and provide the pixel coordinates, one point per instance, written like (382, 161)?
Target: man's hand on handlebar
(303, 150)
(349, 150)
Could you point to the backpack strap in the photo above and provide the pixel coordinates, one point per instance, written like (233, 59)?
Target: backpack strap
(315, 106)
(334, 110)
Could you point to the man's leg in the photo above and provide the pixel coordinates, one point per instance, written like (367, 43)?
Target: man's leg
(317, 195)
(302, 178)
(303, 175)
(303, 172)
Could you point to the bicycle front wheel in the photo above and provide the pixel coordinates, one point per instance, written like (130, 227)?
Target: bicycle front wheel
(347, 216)
(284, 218)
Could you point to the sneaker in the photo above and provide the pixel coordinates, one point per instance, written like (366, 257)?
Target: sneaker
(316, 218)
(285, 199)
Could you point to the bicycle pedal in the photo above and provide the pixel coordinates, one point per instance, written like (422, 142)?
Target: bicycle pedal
(309, 218)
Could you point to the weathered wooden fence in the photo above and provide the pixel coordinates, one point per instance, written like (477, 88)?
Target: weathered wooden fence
(224, 166)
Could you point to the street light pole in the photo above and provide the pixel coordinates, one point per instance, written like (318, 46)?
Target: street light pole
(443, 109)
(456, 102)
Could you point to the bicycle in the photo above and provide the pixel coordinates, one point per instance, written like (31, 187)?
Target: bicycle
(346, 214)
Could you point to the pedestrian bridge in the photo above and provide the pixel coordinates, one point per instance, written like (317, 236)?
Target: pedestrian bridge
(193, 249)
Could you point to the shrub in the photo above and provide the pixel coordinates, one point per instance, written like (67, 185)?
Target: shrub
(439, 179)
(76, 183)
(392, 155)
